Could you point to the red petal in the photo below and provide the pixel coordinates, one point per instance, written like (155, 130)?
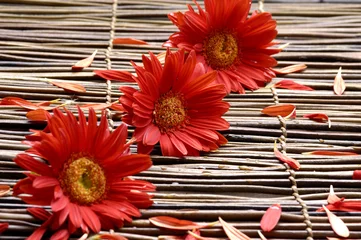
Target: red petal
(289, 84)
(290, 69)
(339, 84)
(115, 75)
(3, 227)
(232, 232)
(39, 213)
(271, 218)
(174, 223)
(37, 115)
(4, 189)
(151, 135)
(294, 164)
(331, 153)
(119, 41)
(356, 175)
(284, 110)
(72, 87)
(319, 117)
(338, 226)
(110, 237)
(74, 215)
(90, 218)
(60, 235)
(84, 63)
(44, 182)
(19, 102)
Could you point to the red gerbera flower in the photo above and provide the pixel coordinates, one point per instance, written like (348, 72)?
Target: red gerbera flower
(227, 41)
(176, 106)
(86, 180)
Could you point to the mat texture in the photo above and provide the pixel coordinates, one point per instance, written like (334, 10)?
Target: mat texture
(42, 39)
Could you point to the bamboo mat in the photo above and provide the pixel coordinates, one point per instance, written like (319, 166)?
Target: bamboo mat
(42, 39)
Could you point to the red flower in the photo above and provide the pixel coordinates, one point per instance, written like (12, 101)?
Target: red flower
(227, 41)
(175, 106)
(86, 180)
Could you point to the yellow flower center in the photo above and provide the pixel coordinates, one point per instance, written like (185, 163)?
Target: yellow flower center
(170, 112)
(83, 181)
(220, 50)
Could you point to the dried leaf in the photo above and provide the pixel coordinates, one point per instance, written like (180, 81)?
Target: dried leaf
(174, 223)
(331, 153)
(120, 41)
(96, 106)
(37, 115)
(4, 189)
(294, 164)
(289, 84)
(84, 63)
(115, 75)
(283, 110)
(339, 84)
(271, 217)
(319, 117)
(338, 226)
(19, 102)
(261, 235)
(356, 175)
(290, 69)
(232, 232)
(332, 197)
(72, 87)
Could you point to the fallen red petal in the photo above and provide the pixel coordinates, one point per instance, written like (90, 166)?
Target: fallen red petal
(283, 110)
(294, 164)
(338, 226)
(3, 227)
(271, 218)
(84, 63)
(174, 223)
(356, 175)
(331, 153)
(115, 75)
(117, 107)
(339, 84)
(37, 115)
(19, 102)
(290, 69)
(232, 232)
(289, 84)
(319, 117)
(129, 41)
(72, 87)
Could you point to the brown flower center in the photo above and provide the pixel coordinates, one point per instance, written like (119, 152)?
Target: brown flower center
(170, 112)
(83, 181)
(220, 50)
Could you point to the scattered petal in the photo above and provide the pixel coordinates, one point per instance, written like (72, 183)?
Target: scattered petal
(294, 164)
(332, 197)
(289, 84)
(319, 117)
(117, 107)
(115, 75)
(356, 175)
(339, 84)
(284, 110)
(174, 223)
(19, 102)
(331, 153)
(290, 69)
(119, 41)
(271, 217)
(37, 115)
(84, 63)
(72, 87)
(3, 227)
(4, 189)
(232, 232)
(338, 226)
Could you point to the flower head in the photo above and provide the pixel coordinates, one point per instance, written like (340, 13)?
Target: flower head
(81, 170)
(176, 106)
(227, 41)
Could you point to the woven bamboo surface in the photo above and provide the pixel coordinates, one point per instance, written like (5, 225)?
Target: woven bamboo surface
(42, 39)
